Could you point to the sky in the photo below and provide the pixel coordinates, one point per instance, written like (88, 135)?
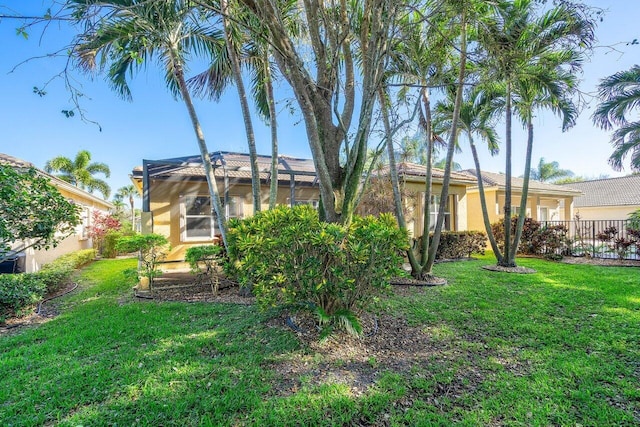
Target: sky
(157, 126)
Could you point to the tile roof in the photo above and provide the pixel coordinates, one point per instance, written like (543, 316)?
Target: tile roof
(14, 161)
(499, 180)
(237, 166)
(416, 170)
(622, 191)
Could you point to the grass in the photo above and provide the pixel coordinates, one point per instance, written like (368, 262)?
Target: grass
(558, 347)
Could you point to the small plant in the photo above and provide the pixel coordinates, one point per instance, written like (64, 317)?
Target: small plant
(151, 250)
(102, 224)
(204, 262)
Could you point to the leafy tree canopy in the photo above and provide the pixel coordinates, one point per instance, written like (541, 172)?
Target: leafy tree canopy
(32, 210)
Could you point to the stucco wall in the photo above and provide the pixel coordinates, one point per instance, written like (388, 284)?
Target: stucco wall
(166, 198)
(606, 212)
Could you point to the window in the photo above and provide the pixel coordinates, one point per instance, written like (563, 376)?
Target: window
(435, 205)
(198, 218)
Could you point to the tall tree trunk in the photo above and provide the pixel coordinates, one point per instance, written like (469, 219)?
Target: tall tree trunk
(133, 213)
(395, 181)
(273, 122)
(204, 153)
(483, 202)
(244, 104)
(428, 183)
(525, 191)
(444, 195)
(507, 261)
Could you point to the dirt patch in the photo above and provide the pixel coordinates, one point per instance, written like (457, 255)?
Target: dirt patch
(606, 262)
(502, 269)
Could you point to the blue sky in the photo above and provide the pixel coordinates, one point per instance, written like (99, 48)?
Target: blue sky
(156, 126)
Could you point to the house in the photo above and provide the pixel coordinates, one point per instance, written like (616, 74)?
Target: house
(176, 201)
(413, 178)
(607, 199)
(34, 259)
(545, 202)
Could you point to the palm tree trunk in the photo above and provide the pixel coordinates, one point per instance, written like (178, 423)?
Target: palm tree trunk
(133, 213)
(204, 153)
(244, 104)
(525, 190)
(507, 261)
(273, 121)
(395, 181)
(444, 195)
(483, 202)
(428, 181)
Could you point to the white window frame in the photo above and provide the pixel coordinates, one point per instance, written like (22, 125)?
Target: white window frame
(433, 213)
(184, 219)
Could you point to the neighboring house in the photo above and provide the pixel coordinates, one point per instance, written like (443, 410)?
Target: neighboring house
(545, 202)
(412, 176)
(34, 259)
(176, 201)
(607, 199)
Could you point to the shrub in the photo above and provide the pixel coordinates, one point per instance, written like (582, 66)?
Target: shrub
(151, 250)
(293, 259)
(459, 244)
(57, 273)
(551, 241)
(19, 291)
(527, 245)
(207, 257)
(102, 223)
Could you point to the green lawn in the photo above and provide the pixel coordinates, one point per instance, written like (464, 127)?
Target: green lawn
(559, 347)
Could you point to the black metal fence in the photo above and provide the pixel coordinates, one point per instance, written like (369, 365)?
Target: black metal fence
(601, 238)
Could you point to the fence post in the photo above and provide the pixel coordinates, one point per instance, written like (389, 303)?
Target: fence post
(593, 239)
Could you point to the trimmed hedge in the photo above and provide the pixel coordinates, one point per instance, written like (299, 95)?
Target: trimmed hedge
(458, 244)
(20, 291)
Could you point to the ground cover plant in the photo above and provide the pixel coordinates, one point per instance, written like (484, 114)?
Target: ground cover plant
(558, 347)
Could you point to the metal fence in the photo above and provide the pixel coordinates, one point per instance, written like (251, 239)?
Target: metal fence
(600, 238)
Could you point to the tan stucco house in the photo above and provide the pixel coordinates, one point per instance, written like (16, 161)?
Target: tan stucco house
(176, 202)
(456, 213)
(176, 199)
(34, 259)
(545, 202)
(607, 199)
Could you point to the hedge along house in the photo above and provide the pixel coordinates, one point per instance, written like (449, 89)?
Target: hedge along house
(176, 201)
(545, 202)
(31, 260)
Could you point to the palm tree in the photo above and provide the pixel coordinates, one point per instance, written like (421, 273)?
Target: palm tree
(521, 47)
(620, 95)
(129, 192)
(80, 171)
(474, 120)
(129, 33)
(549, 172)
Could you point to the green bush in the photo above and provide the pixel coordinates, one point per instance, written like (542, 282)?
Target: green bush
(18, 292)
(551, 241)
(461, 244)
(293, 259)
(57, 273)
(458, 244)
